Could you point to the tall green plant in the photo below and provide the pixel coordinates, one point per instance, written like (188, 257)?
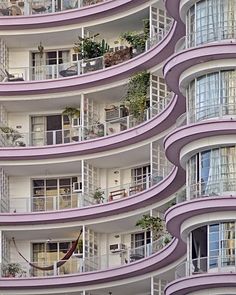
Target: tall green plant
(137, 94)
(151, 223)
(89, 48)
(138, 39)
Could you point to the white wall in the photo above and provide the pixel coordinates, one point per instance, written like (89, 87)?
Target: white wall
(19, 192)
(23, 247)
(19, 121)
(113, 259)
(19, 61)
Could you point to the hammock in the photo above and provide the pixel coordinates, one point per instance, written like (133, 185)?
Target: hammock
(59, 263)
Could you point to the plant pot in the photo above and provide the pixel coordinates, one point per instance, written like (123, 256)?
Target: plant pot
(93, 63)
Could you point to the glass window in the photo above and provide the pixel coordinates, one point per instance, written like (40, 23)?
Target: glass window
(212, 172)
(53, 194)
(212, 95)
(221, 243)
(210, 20)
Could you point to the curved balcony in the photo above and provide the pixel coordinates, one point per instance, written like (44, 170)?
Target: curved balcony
(134, 135)
(215, 283)
(223, 186)
(184, 60)
(41, 7)
(184, 217)
(82, 66)
(44, 203)
(158, 192)
(183, 136)
(29, 15)
(152, 57)
(214, 111)
(80, 133)
(77, 264)
(157, 258)
(204, 265)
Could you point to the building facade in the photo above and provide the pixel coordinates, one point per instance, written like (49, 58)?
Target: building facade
(117, 147)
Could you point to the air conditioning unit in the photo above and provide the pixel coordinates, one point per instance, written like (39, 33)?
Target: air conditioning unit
(115, 248)
(77, 187)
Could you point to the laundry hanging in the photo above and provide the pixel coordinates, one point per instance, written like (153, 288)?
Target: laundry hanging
(59, 263)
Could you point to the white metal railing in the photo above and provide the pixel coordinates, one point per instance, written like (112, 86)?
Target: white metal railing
(77, 264)
(156, 38)
(220, 187)
(212, 111)
(203, 265)
(32, 7)
(212, 188)
(207, 34)
(129, 189)
(76, 200)
(44, 203)
(76, 134)
(68, 69)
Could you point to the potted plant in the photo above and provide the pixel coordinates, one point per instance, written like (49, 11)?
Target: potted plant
(151, 223)
(166, 239)
(12, 136)
(98, 195)
(12, 270)
(137, 92)
(137, 40)
(88, 48)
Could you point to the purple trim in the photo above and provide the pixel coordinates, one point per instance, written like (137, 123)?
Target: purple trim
(142, 132)
(69, 17)
(161, 259)
(145, 61)
(201, 282)
(183, 60)
(162, 190)
(180, 137)
(176, 215)
(173, 9)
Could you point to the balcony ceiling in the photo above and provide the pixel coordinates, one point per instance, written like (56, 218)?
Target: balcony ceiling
(28, 39)
(60, 101)
(133, 157)
(65, 231)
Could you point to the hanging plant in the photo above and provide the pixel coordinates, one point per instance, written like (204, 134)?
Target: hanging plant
(41, 50)
(136, 98)
(151, 223)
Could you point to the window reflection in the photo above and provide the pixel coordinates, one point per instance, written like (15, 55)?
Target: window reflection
(212, 95)
(210, 20)
(221, 241)
(212, 172)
